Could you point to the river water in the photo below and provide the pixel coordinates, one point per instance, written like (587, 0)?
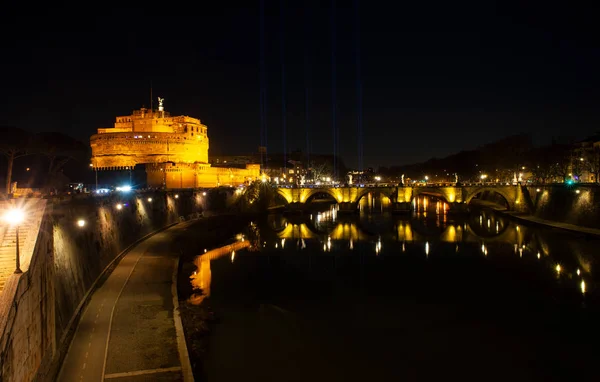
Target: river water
(377, 297)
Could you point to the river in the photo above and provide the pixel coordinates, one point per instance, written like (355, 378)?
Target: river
(378, 297)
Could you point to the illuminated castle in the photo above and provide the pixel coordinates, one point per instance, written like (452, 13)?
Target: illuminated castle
(173, 148)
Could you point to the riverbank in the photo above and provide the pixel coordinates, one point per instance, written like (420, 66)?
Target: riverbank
(530, 219)
(551, 224)
(197, 319)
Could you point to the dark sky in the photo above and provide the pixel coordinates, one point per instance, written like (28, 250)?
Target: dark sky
(437, 77)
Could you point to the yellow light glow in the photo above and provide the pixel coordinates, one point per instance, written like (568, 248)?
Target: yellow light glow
(176, 196)
(558, 268)
(150, 199)
(582, 286)
(119, 206)
(14, 216)
(81, 223)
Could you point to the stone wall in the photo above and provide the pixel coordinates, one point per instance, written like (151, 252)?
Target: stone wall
(576, 204)
(27, 336)
(67, 260)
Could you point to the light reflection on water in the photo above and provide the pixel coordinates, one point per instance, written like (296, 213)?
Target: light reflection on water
(479, 279)
(429, 230)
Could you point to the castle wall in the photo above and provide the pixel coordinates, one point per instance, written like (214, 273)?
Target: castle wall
(199, 176)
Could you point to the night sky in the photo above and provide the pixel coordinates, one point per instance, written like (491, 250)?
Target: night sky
(437, 77)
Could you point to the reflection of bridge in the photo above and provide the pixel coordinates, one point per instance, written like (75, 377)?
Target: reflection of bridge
(402, 197)
(479, 227)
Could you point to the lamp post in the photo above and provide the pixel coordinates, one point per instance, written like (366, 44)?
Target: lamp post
(15, 217)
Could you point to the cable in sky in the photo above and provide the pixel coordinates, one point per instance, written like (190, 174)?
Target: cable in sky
(307, 40)
(263, 88)
(359, 127)
(333, 92)
(283, 104)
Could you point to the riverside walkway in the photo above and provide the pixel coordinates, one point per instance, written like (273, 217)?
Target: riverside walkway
(554, 224)
(130, 329)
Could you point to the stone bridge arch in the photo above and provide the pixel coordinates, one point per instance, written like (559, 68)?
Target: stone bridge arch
(448, 194)
(510, 195)
(389, 193)
(307, 197)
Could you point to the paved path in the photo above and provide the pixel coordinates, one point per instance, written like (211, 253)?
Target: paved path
(554, 224)
(127, 332)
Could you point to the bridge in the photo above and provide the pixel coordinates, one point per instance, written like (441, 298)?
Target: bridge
(457, 196)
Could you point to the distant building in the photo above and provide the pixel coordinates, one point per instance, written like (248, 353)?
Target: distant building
(586, 159)
(173, 148)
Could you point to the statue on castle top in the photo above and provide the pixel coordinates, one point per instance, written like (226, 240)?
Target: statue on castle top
(160, 104)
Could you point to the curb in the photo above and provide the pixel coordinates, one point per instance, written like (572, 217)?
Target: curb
(550, 226)
(65, 341)
(184, 356)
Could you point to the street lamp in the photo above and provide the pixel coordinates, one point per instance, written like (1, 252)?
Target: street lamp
(15, 217)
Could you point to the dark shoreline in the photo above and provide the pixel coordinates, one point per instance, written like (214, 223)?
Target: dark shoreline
(207, 233)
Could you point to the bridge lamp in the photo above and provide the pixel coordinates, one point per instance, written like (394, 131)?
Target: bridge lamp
(149, 200)
(80, 223)
(577, 191)
(538, 190)
(176, 196)
(15, 217)
(119, 206)
(426, 177)
(378, 178)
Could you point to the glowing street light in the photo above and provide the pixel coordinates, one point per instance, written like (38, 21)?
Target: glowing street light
(150, 200)
(119, 206)
(15, 217)
(81, 223)
(176, 196)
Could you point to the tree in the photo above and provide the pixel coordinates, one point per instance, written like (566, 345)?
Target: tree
(15, 143)
(59, 149)
(320, 170)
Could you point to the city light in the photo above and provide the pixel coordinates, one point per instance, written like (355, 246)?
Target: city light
(176, 196)
(81, 223)
(150, 200)
(14, 216)
(124, 188)
(119, 206)
(577, 191)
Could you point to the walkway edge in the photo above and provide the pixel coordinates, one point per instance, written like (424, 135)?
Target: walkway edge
(64, 345)
(552, 224)
(184, 356)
